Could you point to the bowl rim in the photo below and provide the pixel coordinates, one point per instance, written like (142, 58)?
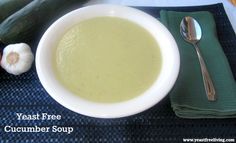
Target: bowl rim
(167, 76)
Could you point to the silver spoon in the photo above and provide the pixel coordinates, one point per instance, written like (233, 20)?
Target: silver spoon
(192, 33)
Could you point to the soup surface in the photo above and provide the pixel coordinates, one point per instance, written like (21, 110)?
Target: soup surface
(107, 59)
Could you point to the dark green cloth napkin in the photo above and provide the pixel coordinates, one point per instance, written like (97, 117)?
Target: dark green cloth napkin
(188, 97)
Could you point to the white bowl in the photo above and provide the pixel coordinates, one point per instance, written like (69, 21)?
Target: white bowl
(161, 87)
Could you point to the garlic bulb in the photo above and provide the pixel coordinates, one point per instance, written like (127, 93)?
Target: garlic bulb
(17, 58)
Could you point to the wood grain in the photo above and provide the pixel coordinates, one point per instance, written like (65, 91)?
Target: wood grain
(233, 2)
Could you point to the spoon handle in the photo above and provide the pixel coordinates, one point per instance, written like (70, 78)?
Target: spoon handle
(209, 87)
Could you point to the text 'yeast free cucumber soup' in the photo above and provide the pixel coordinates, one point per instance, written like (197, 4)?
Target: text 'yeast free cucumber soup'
(107, 59)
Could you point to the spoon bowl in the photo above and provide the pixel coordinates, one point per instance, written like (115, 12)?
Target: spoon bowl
(190, 30)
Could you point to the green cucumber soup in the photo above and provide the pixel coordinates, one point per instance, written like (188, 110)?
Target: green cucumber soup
(107, 59)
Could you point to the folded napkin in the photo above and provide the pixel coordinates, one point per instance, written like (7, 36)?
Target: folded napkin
(188, 97)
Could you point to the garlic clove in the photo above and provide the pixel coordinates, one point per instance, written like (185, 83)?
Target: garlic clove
(17, 58)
